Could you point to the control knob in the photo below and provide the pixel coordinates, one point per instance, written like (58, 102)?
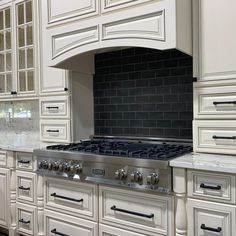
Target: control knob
(153, 178)
(136, 176)
(55, 165)
(76, 169)
(43, 164)
(120, 174)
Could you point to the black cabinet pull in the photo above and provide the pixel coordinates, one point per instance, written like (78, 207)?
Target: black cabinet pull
(65, 89)
(223, 137)
(23, 188)
(132, 212)
(24, 222)
(217, 230)
(54, 231)
(67, 198)
(13, 92)
(53, 131)
(226, 102)
(218, 187)
(23, 162)
(52, 108)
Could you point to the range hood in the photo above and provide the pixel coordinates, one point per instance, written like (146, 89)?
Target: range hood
(73, 33)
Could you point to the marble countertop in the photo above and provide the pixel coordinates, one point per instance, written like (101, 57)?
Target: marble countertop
(22, 142)
(203, 161)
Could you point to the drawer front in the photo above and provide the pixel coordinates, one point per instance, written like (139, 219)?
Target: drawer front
(215, 136)
(25, 219)
(26, 187)
(3, 158)
(105, 230)
(56, 107)
(209, 219)
(55, 130)
(138, 212)
(25, 161)
(59, 224)
(73, 198)
(212, 186)
(215, 102)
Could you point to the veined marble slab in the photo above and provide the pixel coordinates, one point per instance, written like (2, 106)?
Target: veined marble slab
(204, 161)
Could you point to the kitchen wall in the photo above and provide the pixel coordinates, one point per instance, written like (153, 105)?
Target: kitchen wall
(143, 92)
(19, 116)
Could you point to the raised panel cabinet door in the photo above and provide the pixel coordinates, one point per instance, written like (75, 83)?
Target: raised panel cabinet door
(217, 37)
(4, 185)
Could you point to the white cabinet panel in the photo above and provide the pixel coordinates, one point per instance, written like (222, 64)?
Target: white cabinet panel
(208, 219)
(149, 26)
(67, 10)
(136, 211)
(211, 186)
(25, 161)
(59, 224)
(3, 158)
(72, 198)
(217, 36)
(4, 195)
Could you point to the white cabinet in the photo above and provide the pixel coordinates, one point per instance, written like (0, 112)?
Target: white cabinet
(94, 25)
(18, 49)
(216, 33)
(4, 197)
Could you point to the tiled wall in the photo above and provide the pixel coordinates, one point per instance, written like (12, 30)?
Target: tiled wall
(143, 92)
(19, 116)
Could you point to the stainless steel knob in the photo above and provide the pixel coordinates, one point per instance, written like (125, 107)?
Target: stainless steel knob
(43, 164)
(153, 178)
(55, 165)
(136, 176)
(49, 165)
(120, 174)
(78, 168)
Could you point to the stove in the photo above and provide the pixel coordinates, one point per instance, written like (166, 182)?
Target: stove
(135, 163)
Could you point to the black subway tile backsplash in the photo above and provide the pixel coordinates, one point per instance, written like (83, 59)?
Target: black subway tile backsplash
(143, 92)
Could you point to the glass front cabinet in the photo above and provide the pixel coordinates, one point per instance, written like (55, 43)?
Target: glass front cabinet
(18, 49)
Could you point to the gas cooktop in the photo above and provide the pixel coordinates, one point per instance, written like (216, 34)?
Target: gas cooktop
(141, 164)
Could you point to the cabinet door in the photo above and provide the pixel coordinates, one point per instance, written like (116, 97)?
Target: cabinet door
(25, 47)
(217, 37)
(6, 81)
(4, 196)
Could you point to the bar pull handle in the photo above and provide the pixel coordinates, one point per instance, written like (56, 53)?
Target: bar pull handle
(49, 108)
(53, 130)
(217, 230)
(223, 137)
(67, 198)
(23, 188)
(226, 102)
(114, 208)
(218, 187)
(54, 231)
(23, 161)
(24, 221)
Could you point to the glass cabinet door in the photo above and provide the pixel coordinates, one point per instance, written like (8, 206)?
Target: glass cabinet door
(6, 82)
(25, 47)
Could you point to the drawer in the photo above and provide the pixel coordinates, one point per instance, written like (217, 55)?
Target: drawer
(3, 158)
(55, 107)
(135, 211)
(26, 187)
(25, 161)
(26, 219)
(75, 198)
(210, 219)
(60, 224)
(215, 136)
(211, 186)
(215, 102)
(55, 130)
(105, 230)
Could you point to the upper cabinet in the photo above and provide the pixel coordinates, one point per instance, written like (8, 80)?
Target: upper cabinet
(90, 26)
(18, 59)
(215, 37)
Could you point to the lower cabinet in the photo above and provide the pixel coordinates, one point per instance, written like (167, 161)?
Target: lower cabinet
(209, 219)
(62, 224)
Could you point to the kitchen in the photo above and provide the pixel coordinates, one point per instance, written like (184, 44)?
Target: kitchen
(151, 81)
